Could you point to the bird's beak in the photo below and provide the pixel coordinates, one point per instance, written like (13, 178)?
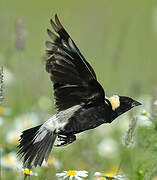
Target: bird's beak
(136, 103)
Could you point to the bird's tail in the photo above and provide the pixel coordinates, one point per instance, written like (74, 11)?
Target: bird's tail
(35, 145)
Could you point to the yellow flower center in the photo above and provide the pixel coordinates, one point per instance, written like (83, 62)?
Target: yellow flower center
(51, 161)
(71, 172)
(1, 110)
(110, 175)
(8, 159)
(102, 178)
(15, 139)
(114, 170)
(27, 172)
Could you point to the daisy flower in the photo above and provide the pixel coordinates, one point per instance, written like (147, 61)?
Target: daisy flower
(26, 120)
(10, 161)
(21, 122)
(78, 175)
(12, 137)
(28, 172)
(4, 111)
(52, 162)
(108, 176)
(107, 148)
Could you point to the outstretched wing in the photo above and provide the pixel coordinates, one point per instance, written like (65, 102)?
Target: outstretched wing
(73, 78)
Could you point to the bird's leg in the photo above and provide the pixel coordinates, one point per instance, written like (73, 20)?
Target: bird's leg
(66, 139)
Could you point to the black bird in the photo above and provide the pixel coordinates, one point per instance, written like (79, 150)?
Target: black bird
(79, 98)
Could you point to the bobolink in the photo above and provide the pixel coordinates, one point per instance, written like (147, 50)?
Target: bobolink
(79, 98)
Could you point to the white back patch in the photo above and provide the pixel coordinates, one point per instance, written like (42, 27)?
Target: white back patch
(115, 102)
(56, 122)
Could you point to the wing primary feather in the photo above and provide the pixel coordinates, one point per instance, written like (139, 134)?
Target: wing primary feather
(74, 80)
(54, 26)
(72, 45)
(52, 35)
(58, 22)
(63, 34)
(57, 26)
(51, 46)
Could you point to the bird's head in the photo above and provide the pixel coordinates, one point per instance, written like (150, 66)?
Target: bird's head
(121, 104)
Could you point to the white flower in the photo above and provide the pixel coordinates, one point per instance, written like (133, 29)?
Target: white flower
(10, 161)
(108, 176)
(28, 172)
(5, 111)
(78, 175)
(52, 162)
(26, 120)
(13, 136)
(107, 147)
(22, 122)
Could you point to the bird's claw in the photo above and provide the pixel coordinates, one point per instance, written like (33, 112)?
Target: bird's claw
(66, 140)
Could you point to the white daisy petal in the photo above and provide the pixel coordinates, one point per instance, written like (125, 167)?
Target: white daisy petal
(97, 174)
(11, 161)
(112, 175)
(82, 173)
(29, 172)
(65, 176)
(13, 136)
(73, 174)
(71, 177)
(77, 177)
(26, 120)
(60, 174)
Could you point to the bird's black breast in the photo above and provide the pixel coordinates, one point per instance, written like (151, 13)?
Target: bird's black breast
(88, 118)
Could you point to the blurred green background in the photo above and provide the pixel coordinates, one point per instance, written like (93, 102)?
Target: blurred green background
(119, 40)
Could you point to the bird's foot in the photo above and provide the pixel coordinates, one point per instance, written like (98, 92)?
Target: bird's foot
(66, 139)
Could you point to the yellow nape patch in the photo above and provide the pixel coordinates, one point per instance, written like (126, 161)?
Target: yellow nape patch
(114, 100)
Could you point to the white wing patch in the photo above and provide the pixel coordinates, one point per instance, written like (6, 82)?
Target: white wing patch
(115, 102)
(55, 123)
